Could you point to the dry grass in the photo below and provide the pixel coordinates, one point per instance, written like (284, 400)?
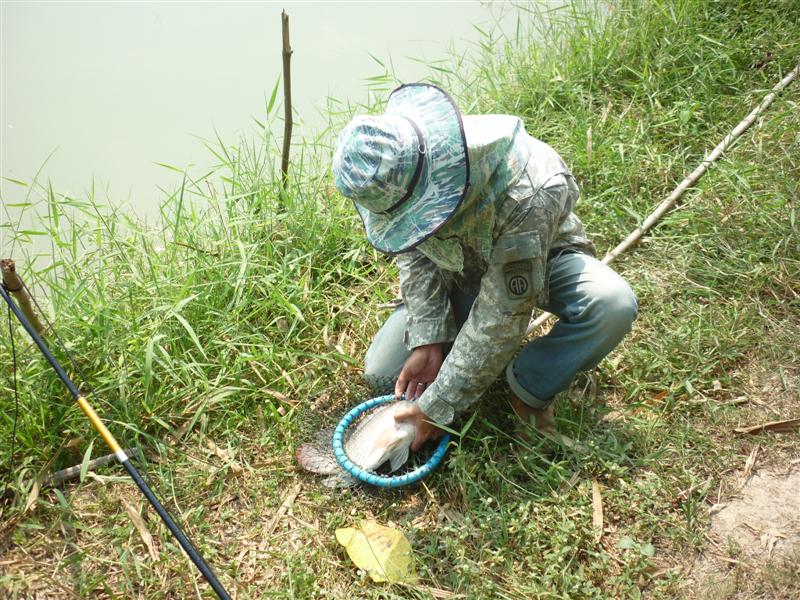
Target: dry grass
(282, 299)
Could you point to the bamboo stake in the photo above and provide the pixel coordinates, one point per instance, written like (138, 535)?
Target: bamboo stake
(688, 182)
(69, 473)
(287, 104)
(14, 285)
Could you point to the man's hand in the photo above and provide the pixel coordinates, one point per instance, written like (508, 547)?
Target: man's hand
(425, 428)
(420, 370)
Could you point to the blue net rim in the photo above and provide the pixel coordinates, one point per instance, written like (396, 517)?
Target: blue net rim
(384, 481)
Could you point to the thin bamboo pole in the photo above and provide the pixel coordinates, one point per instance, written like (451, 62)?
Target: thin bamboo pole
(687, 183)
(287, 103)
(63, 475)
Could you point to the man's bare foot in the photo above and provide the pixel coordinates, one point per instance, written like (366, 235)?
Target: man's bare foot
(543, 420)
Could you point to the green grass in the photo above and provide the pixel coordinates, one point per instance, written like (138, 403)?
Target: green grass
(220, 338)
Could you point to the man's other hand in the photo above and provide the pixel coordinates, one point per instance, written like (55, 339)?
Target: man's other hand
(419, 371)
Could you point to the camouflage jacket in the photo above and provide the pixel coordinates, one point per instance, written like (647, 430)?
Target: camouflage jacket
(532, 217)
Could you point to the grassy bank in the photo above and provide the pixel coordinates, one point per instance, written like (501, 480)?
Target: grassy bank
(219, 340)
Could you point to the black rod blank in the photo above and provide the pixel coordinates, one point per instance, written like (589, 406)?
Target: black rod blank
(173, 527)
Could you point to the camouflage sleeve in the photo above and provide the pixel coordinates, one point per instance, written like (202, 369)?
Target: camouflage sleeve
(430, 318)
(512, 286)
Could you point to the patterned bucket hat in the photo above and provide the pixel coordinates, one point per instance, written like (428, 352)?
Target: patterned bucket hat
(406, 171)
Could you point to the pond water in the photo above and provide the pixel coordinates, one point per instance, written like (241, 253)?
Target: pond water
(102, 91)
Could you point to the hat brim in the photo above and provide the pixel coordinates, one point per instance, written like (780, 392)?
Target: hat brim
(444, 180)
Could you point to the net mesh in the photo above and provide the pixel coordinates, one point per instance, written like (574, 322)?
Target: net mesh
(381, 385)
(316, 455)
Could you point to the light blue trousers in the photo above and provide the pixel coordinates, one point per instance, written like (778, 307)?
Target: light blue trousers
(595, 306)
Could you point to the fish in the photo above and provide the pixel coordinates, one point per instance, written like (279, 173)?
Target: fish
(377, 439)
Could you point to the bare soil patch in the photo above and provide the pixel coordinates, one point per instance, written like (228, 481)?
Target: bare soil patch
(753, 548)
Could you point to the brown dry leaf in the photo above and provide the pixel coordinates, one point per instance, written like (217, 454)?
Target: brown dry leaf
(141, 527)
(657, 398)
(227, 456)
(786, 426)
(33, 495)
(288, 501)
(739, 400)
(751, 461)
(287, 377)
(606, 111)
(274, 394)
(597, 511)
(262, 424)
(437, 592)
(769, 541)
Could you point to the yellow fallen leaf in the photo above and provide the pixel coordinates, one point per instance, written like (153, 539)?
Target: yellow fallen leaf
(383, 552)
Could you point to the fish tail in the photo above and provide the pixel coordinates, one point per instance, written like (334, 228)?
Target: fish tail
(314, 459)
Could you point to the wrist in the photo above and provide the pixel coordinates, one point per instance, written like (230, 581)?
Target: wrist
(435, 347)
(436, 409)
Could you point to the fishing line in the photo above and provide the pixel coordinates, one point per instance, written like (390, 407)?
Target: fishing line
(61, 343)
(16, 400)
(87, 384)
(112, 443)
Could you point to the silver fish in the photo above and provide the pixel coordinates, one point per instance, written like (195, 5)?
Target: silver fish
(378, 438)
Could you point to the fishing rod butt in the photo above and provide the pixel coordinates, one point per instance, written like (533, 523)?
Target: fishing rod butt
(176, 531)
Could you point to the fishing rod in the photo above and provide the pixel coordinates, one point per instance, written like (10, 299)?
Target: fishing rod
(112, 443)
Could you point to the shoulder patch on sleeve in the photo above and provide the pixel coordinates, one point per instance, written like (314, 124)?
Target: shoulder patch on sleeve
(518, 279)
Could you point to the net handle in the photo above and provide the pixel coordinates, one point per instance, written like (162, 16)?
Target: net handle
(383, 481)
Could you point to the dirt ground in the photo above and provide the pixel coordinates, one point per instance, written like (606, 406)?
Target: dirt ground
(753, 541)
